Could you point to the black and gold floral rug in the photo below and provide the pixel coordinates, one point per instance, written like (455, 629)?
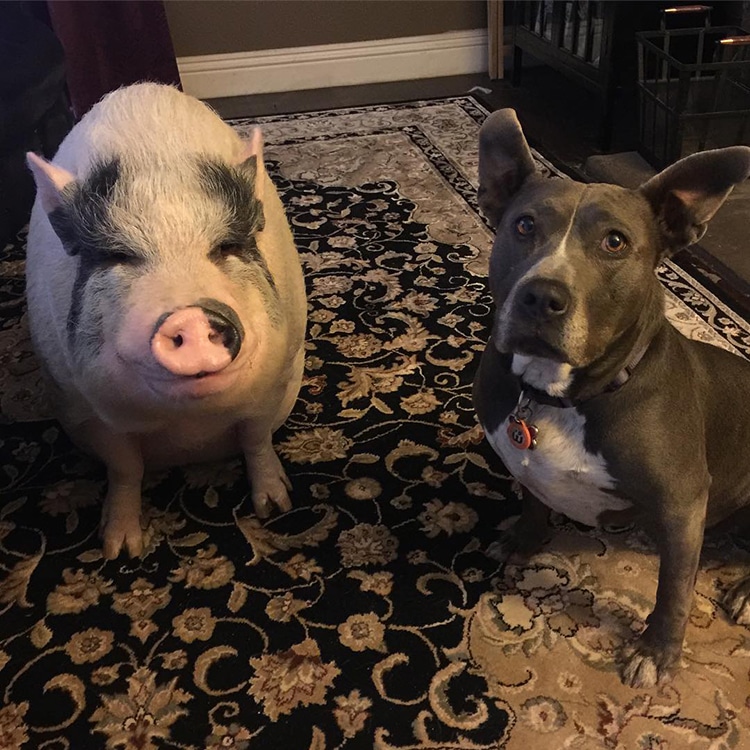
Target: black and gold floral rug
(368, 616)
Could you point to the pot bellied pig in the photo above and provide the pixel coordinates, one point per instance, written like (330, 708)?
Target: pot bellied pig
(166, 298)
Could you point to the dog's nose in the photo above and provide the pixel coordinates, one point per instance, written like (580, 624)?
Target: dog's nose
(543, 299)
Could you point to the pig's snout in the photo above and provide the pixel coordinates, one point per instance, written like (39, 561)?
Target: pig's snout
(197, 340)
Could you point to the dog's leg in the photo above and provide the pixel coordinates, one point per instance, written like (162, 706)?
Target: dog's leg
(737, 601)
(528, 533)
(655, 655)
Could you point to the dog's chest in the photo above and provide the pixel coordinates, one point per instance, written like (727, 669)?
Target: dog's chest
(560, 471)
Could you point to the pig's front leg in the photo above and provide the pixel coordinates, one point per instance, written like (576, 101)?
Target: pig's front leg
(121, 515)
(269, 484)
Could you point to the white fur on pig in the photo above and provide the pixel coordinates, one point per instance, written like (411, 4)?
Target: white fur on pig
(112, 396)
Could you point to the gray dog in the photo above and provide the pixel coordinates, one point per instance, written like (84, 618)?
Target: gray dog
(596, 404)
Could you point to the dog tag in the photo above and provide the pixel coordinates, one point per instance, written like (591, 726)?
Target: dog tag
(522, 435)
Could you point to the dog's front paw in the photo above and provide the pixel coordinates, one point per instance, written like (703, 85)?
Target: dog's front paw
(737, 601)
(649, 661)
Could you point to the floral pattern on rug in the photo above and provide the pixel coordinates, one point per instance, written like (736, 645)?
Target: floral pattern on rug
(368, 616)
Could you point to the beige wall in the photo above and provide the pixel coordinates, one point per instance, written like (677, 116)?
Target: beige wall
(206, 27)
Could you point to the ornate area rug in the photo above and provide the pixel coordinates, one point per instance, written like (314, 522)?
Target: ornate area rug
(368, 616)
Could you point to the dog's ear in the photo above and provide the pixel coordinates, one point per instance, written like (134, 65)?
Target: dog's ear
(686, 195)
(505, 161)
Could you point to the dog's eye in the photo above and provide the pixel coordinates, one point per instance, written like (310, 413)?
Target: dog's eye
(614, 242)
(525, 226)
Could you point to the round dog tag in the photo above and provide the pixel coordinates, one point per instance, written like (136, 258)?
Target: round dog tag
(519, 433)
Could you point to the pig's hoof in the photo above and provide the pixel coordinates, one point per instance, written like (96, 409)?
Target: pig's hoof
(269, 484)
(647, 664)
(737, 601)
(274, 491)
(122, 532)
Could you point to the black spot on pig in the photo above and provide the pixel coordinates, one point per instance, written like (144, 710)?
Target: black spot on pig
(83, 222)
(235, 189)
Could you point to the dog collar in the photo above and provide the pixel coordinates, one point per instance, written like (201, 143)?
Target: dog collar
(523, 434)
(622, 377)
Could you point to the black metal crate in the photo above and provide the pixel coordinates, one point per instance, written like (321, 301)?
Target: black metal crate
(693, 90)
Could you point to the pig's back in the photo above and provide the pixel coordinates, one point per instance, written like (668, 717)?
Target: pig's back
(147, 123)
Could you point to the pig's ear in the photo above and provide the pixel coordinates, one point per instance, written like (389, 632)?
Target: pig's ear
(505, 161)
(252, 161)
(685, 196)
(50, 180)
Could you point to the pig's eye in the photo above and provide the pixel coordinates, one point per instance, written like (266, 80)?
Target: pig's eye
(115, 258)
(614, 242)
(225, 249)
(525, 226)
(121, 258)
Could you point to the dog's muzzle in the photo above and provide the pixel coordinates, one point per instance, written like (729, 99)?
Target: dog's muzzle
(535, 321)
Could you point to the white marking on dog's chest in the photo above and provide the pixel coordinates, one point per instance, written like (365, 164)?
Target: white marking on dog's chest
(545, 374)
(560, 471)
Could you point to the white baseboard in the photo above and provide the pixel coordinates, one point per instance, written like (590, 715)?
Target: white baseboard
(323, 66)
